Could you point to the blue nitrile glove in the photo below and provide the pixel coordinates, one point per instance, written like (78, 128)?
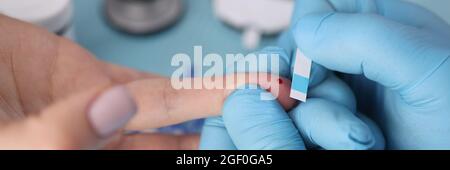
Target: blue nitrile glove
(327, 120)
(404, 48)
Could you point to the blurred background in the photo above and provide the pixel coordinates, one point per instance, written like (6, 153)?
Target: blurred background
(110, 30)
(197, 26)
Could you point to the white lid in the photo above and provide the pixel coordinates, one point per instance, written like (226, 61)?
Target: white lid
(267, 16)
(255, 17)
(51, 14)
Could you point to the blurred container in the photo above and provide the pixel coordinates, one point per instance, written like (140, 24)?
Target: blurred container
(143, 16)
(54, 15)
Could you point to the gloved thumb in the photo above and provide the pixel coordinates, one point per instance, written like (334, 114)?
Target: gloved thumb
(255, 124)
(84, 121)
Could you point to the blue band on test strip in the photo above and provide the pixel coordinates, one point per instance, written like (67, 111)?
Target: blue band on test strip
(300, 83)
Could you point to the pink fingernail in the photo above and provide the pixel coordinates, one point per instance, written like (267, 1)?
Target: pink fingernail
(111, 111)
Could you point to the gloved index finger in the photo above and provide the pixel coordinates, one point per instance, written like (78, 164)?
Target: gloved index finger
(253, 123)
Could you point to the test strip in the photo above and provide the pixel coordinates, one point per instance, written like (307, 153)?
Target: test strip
(300, 79)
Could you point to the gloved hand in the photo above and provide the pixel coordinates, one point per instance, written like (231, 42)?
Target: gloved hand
(404, 48)
(328, 120)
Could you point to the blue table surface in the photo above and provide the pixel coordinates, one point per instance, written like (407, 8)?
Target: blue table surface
(153, 53)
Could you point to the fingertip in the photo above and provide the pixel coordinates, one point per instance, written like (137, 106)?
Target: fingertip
(272, 87)
(284, 95)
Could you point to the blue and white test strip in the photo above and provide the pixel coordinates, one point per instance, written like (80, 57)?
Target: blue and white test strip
(300, 79)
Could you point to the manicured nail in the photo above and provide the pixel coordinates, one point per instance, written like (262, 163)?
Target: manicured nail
(280, 81)
(111, 111)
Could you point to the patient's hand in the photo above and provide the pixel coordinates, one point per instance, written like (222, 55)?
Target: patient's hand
(56, 95)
